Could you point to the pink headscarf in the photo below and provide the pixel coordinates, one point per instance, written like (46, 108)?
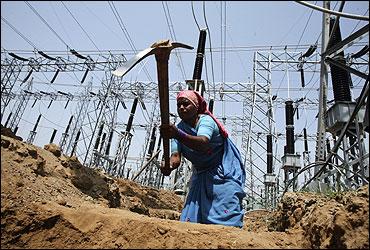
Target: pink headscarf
(198, 101)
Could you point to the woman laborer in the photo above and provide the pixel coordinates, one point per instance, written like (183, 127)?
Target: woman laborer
(216, 186)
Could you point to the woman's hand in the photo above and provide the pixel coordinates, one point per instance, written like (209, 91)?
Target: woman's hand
(168, 131)
(175, 161)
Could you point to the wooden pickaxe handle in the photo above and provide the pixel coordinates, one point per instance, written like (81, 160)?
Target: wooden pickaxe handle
(162, 57)
(162, 54)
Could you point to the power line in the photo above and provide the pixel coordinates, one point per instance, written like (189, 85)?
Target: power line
(215, 49)
(223, 50)
(210, 48)
(82, 30)
(100, 20)
(358, 23)
(122, 25)
(46, 23)
(289, 31)
(33, 45)
(304, 29)
(173, 36)
(80, 26)
(195, 19)
(18, 32)
(60, 23)
(352, 16)
(125, 32)
(223, 40)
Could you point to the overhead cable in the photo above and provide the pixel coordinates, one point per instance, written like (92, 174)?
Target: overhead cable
(80, 26)
(195, 19)
(19, 33)
(351, 16)
(210, 49)
(125, 32)
(173, 36)
(46, 23)
(304, 29)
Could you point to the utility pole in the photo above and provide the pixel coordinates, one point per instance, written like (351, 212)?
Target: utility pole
(320, 144)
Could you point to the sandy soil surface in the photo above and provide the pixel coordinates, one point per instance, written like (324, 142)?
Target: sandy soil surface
(49, 200)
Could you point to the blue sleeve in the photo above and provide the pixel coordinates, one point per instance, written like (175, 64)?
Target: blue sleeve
(175, 147)
(206, 126)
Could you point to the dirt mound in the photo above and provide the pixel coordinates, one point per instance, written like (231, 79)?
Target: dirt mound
(49, 200)
(8, 132)
(334, 220)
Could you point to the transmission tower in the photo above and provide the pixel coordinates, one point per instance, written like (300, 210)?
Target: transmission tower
(19, 107)
(349, 161)
(76, 121)
(118, 165)
(10, 71)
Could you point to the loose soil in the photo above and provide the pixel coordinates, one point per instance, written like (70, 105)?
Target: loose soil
(49, 200)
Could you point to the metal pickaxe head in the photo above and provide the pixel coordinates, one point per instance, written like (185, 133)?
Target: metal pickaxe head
(161, 48)
(170, 45)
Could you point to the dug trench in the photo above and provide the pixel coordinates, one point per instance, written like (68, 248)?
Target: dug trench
(49, 200)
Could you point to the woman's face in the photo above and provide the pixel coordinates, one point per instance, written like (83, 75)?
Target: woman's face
(186, 109)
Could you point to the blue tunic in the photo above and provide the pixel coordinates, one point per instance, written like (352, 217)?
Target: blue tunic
(216, 189)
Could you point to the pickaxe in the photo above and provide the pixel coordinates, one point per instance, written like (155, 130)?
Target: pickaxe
(161, 50)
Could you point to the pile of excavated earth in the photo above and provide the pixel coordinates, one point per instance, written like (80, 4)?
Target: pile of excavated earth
(49, 200)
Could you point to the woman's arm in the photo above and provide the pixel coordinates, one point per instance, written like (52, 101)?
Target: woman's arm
(199, 143)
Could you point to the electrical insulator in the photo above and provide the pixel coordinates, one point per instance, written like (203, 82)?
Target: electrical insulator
(340, 78)
(289, 127)
(269, 154)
